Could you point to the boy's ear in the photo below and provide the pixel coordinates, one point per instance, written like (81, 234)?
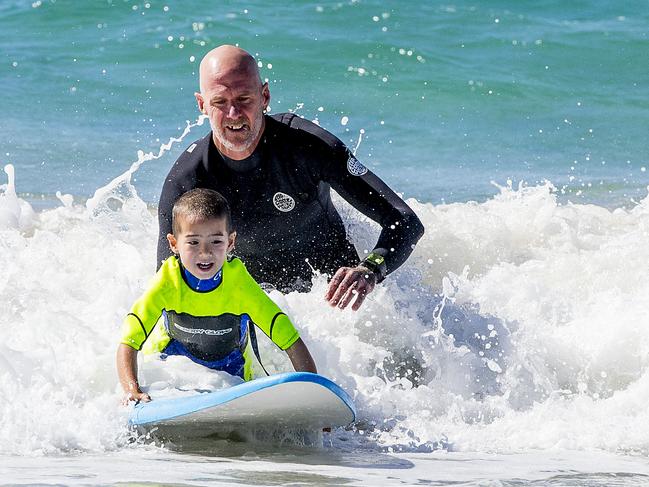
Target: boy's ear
(231, 239)
(173, 243)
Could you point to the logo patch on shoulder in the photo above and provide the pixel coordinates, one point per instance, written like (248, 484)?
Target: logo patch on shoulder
(354, 167)
(191, 148)
(283, 202)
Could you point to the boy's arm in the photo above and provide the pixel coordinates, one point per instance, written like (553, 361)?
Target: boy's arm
(301, 358)
(127, 372)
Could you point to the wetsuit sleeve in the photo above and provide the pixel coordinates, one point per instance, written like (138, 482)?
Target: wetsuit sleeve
(144, 314)
(263, 311)
(401, 229)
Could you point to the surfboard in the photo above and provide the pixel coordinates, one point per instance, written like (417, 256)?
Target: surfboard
(290, 400)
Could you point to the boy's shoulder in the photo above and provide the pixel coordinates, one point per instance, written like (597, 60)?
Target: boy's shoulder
(168, 275)
(235, 267)
(169, 267)
(238, 278)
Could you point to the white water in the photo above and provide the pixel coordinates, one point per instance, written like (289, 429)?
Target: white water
(517, 326)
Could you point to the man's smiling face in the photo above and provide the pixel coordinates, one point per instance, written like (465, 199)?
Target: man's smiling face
(234, 99)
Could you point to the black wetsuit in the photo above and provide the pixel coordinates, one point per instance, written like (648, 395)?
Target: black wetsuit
(281, 204)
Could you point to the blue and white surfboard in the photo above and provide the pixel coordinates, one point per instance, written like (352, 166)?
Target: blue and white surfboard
(290, 400)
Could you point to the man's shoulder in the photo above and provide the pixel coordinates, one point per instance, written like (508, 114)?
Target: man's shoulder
(198, 145)
(196, 149)
(292, 125)
(191, 158)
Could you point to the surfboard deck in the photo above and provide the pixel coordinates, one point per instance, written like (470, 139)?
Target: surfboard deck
(291, 400)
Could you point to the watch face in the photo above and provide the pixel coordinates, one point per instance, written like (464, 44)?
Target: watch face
(376, 259)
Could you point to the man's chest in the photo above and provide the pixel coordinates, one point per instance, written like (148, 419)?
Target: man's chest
(273, 190)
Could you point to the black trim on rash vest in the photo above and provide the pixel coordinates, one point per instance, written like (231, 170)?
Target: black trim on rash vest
(255, 345)
(272, 324)
(146, 335)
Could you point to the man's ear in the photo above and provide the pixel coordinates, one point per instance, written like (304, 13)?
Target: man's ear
(265, 94)
(173, 243)
(200, 101)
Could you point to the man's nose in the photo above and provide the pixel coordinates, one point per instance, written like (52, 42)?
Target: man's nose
(234, 111)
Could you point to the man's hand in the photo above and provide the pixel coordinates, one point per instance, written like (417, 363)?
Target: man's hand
(349, 282)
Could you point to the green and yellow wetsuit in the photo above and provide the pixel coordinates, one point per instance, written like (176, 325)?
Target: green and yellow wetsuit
(210, 327)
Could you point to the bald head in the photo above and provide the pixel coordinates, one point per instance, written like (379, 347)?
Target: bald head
(234, 98)
(226, 61)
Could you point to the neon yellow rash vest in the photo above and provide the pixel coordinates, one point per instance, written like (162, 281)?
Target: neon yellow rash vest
(212, 326)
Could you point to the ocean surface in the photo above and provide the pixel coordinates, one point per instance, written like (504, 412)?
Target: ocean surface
(510, 350)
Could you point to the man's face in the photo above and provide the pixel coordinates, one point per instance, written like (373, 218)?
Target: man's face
(235, 104)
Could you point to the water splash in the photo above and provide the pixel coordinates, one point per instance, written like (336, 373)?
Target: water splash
(361, 132)
(515, 315)
(120, 190)
(14, 212)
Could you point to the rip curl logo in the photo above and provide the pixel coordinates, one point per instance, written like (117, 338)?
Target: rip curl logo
(354, 167)
(283, 202)
(202, 331)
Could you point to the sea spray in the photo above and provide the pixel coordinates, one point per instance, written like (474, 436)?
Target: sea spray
(14, 212)
(121, 190)
(518, 314)
(61, 303)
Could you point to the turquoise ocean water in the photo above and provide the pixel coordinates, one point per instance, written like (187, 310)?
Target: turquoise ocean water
(450, 95)
(509, 350)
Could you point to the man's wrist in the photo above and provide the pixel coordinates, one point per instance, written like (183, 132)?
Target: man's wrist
(369, 273)
(376, 264)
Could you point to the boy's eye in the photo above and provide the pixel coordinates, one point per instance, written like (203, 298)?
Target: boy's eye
(192, 242)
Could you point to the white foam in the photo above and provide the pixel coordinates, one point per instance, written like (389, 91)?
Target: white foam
(517, 324)
(14, 212)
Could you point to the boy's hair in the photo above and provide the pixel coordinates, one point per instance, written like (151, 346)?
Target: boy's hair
(200, 204)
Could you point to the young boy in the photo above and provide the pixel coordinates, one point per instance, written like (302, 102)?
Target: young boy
(209, 302)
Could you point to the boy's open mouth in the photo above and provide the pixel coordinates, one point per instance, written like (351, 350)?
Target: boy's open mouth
(205, 266)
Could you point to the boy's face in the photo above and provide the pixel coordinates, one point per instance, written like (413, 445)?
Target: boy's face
(202, 245)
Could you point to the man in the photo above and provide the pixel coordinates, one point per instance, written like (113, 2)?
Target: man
(276, 172)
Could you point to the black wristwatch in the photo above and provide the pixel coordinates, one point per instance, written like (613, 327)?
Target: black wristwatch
(376, 263)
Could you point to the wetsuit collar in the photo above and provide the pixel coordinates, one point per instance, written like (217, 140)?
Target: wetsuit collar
(202, 285)
(251, 162)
